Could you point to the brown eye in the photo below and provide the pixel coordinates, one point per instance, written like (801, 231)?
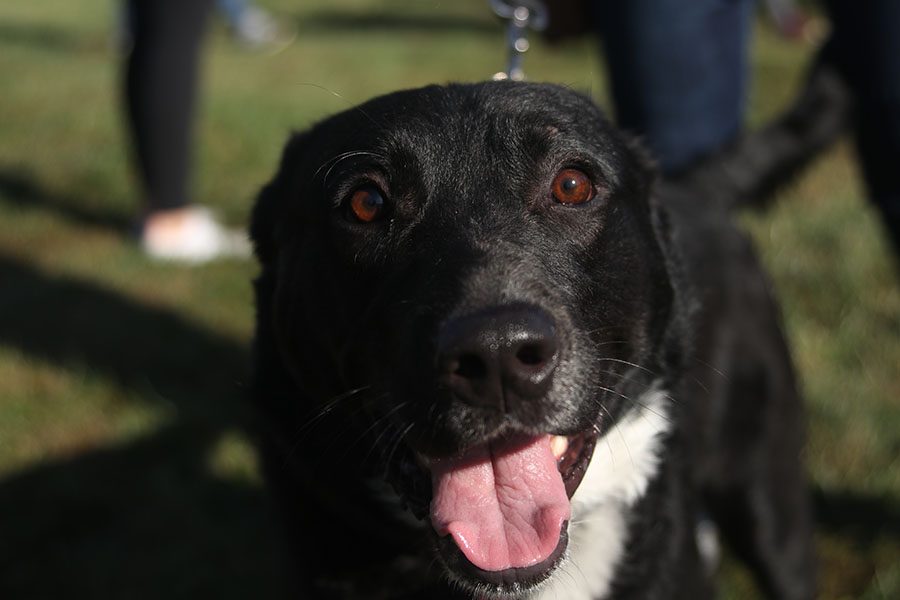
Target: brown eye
(367, 204)
(571, 186)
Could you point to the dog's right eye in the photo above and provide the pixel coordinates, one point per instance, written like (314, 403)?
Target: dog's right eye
(571, 186)
(366, 205)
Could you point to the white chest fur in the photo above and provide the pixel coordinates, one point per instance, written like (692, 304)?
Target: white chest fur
(624, 462)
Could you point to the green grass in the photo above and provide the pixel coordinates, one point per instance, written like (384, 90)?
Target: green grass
(124, 472)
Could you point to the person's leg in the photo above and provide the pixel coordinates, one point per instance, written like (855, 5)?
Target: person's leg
(865, 45)
(678, 72)
(160, 90)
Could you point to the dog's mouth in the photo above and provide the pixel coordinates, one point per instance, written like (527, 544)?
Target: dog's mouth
(500, 509)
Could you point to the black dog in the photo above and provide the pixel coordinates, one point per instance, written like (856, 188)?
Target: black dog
(495, 359)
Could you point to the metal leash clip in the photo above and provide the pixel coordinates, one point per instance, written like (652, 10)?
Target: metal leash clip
(522, 15)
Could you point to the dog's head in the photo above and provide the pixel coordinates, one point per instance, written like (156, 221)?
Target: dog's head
(486, 262)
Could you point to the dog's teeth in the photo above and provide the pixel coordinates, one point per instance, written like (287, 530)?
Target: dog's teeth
(558, 445)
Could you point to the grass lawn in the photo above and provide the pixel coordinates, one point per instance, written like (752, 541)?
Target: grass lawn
(124, 469)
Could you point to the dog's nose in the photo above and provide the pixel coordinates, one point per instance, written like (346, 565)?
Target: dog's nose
(499, 357)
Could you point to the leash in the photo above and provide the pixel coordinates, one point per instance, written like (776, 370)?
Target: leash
(522, 16)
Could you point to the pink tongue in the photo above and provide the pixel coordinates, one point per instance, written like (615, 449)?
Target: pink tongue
(503, 503)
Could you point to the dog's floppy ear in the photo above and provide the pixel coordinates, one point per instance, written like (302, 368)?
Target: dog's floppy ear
(269, 211)
(643, 161)
(673, 285)
(647, 175)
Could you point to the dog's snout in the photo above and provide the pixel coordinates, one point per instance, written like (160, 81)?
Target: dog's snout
(500, 357)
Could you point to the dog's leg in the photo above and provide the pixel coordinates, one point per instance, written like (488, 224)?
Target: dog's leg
(760, 501)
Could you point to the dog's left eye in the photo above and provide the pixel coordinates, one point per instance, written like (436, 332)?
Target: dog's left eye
(571, 186)
(366, 205)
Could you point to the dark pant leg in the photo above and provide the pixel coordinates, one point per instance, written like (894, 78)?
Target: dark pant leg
(678, 71)
(866, 47)
(160, 86)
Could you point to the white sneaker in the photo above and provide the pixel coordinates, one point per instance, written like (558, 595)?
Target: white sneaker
(257, 29)
(191, 235)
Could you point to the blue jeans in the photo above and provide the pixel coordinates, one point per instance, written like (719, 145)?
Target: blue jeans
(678, 70)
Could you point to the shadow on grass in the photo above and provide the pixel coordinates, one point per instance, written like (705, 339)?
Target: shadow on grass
(64, 43)
(40, 37)
(328, 22)
(143, 520)
(18, 188)
(146, 519)
(150, 350)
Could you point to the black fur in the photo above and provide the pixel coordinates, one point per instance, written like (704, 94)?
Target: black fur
(349, 317)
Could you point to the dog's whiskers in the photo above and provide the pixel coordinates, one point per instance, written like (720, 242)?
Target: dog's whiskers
(625, 378)
(612, 456)
(341, 97)
(330, 406)
(610, 343)
(339, 434)
(390, 426)
(380, 420)
(635, 401)
(618, 431)
(625, 362)
(718, 372)
(601, 329)
(297, 436)
(397, 442)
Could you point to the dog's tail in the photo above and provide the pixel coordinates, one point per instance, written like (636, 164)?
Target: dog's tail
(748, 172)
